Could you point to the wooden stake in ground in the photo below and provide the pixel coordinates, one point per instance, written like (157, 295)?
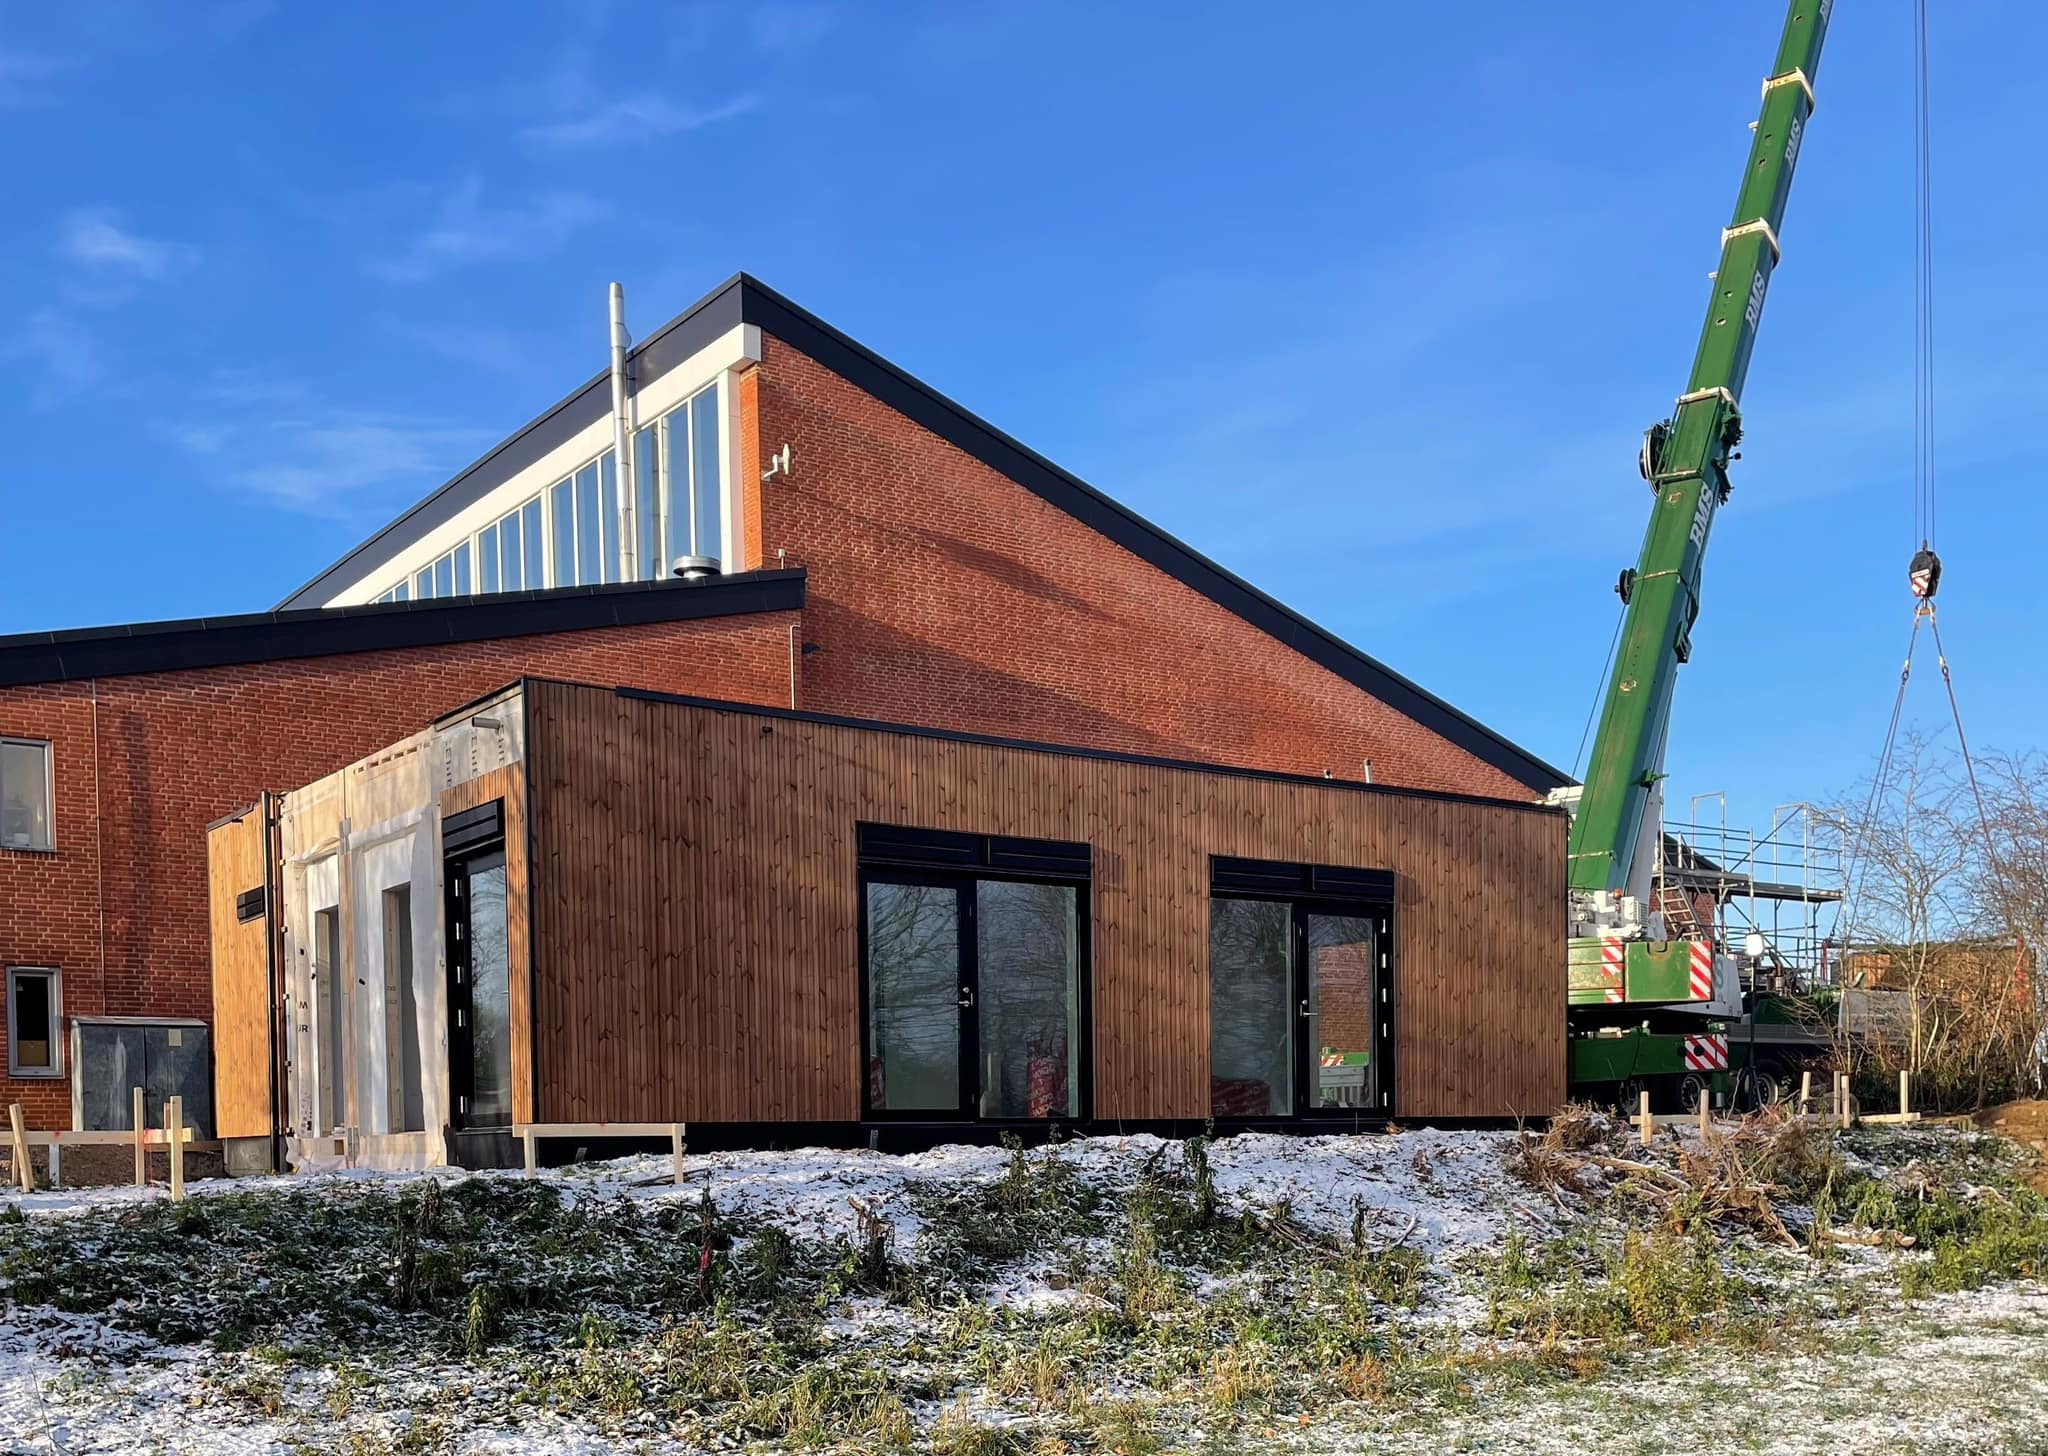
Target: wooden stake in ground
(675, 1139)
(175, 1127)
(1905, 1093)
(532, 1158)
(141, 1143)
(1806, 1091)
(24, 1174)
(1842, 1096)
(1706, 1111)
(1644, 1121)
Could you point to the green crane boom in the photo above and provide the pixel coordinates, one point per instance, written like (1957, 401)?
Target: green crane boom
(1686, 462)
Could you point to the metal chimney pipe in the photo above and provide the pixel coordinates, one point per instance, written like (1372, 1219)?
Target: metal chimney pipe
(622, 441)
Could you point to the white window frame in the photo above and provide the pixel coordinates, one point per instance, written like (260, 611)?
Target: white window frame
(55, 1071)
(49, 793)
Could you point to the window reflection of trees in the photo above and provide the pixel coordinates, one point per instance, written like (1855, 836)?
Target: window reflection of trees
(913, 994)
(1250, 1000)
(1029, 962)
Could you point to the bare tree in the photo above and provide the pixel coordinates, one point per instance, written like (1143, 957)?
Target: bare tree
(1940, 921)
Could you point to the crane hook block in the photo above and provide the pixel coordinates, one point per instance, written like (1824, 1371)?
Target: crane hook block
(1924, 572)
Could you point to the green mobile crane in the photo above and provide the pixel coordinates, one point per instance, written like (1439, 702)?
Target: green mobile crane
(1650, 991)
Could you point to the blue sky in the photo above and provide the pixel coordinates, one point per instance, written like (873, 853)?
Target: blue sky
(1370, 305)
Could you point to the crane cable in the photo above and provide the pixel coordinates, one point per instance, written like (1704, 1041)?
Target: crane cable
(1924, 571)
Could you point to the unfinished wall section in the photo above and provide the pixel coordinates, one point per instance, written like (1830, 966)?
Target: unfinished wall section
(143, 763)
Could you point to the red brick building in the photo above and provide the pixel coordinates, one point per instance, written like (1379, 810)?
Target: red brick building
(866, 547)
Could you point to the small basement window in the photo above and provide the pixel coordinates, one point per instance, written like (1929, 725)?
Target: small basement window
(34, 1045)
(25, 794)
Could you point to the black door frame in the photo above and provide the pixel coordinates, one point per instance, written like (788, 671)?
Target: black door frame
(1306, 1054)
(968, 976)
(456, 872)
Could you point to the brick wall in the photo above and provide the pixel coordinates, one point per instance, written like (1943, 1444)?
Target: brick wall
(941, 592)
(120, 906)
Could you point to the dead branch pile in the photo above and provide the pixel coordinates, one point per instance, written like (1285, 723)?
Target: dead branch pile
(1735, 1177)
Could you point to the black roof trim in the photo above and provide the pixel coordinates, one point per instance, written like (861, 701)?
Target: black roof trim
(73, 656)
(912, 397)
(1064, 750)
(745, 299)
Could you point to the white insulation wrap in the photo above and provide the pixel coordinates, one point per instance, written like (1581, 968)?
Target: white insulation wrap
(365, 845)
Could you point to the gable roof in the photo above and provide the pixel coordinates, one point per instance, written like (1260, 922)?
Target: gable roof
(743, 299)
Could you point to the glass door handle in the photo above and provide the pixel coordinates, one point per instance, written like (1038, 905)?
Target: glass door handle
(1307, 1014)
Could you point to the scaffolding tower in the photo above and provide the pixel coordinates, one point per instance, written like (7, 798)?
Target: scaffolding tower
(1771, 901)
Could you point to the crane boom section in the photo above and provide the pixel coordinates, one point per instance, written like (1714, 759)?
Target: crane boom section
(1686, 464)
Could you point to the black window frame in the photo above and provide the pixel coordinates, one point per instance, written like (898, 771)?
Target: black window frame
(943, 859)
(467, 837)
(1310, 889)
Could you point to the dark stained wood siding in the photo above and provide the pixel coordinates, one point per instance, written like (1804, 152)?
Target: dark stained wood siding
(696, 910)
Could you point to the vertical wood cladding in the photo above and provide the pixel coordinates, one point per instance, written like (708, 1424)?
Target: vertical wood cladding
(696, 910)
(237, 856)
(508, 786)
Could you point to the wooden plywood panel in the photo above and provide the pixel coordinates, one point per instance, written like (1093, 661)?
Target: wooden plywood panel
(237, 859)
(697, 912)
(508, 785)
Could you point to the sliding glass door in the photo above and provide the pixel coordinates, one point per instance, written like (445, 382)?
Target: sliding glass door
(1299, 1007)
(973, 990)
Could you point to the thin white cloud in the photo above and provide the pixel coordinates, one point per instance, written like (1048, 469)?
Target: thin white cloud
(466, 232)
(634, 118)
(23, 75)
(94, 240)
(327, 461)
(64, 355)
(780, 27)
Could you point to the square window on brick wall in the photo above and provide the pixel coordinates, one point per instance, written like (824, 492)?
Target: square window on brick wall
(25, 792)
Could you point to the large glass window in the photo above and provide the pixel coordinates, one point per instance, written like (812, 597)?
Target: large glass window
(487, 559)
(480, 983)
(1028, 983)
(914, 997)
(1251, 1015)
(974, 977)
(26, 787)
(34, 1023)
(680, 463)
(562, 517)
(1343, 1007)
(1299, 990)
(533, 574)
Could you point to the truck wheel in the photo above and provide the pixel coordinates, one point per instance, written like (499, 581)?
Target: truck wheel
(1773, 1084)
(1628, 1096)
(1691, 1088)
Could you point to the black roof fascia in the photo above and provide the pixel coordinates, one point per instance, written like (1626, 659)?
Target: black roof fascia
(95, 652)
(1063, 750)
(745, 299)
(910, 396)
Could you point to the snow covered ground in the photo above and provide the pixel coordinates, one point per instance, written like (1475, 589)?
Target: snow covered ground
(1062, 1330)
